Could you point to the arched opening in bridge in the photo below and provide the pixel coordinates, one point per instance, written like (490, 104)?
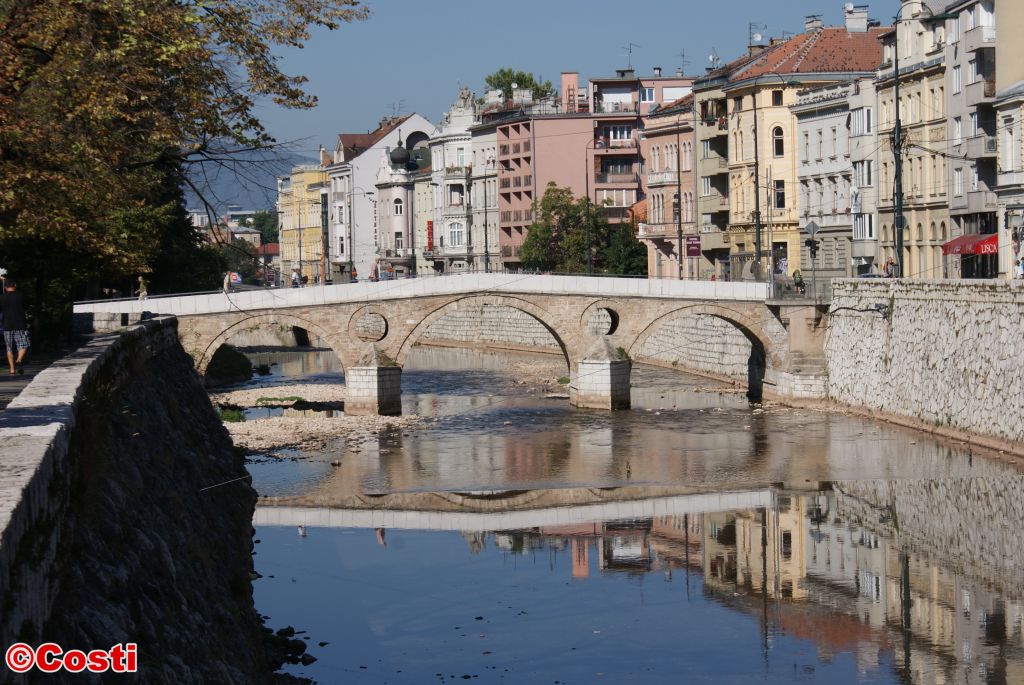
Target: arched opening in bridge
(706, 343)
(278, 348)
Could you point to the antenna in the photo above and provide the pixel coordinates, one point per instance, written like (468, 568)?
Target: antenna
(755, 32)
(629, 52)
(714, 59)
(683, 62)
(396, 108)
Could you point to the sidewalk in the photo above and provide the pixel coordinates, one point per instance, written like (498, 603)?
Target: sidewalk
(10, 386)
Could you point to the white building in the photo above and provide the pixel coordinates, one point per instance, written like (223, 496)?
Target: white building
(352, 175)
(484, 190)
(864, 192)
(451, 167)
(400, 247)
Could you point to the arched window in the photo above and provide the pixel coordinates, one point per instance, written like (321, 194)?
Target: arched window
(654, 158)
(399, 207)
(456, 235)
(778, 144)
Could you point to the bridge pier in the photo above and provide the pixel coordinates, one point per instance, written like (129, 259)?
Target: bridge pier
(373, 387)
(602, 379)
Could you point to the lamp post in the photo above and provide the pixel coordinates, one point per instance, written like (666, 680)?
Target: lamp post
(679, 205)
(325, 243)
(488, 165)
(351, 222)
(587, 167)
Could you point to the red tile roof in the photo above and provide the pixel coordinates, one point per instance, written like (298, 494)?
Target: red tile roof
(355, 144)
(269, 249)
(825, 50)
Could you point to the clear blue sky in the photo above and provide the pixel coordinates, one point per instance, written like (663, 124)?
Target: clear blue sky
(415, 54)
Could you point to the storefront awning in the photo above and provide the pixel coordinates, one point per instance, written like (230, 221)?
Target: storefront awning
(973, 244)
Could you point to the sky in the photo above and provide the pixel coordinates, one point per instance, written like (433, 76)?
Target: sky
(412, 56)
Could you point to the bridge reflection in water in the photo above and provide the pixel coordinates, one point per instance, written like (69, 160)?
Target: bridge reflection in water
(856, 567)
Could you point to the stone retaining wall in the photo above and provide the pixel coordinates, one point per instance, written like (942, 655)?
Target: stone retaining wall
(949, 353)
(106, 532)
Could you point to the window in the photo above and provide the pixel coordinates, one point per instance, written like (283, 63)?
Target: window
(705, 185)
(737, 104)
(399, 207)
(620, 132)
(958, 131)
(864, 227)
(777, 98)
(778, 142)
(807, 146)
(705, 149)
(398, 240)
(862, 121)
(958, 181)
(460, 157)
(835, 142)
(821, 145)
(974, 180)
(954, 30)
(456, 235)
(973, 125)
(655, 154)
(972, 71)
(957, 83)
(646, 94)
(780, 194)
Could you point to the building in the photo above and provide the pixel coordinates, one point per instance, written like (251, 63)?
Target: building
(970, 47)
(1009, 108)
(423, 221)
(763, 143)
(302, 232)
(712, 140)
(667, 145)
(483, 193)
(451, 170)
(352, 171)
(864, 147)
(825, 182)
(269, 255)
(397, 245)
(922, 107)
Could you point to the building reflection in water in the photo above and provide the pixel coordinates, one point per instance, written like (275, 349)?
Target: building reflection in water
(835, 568)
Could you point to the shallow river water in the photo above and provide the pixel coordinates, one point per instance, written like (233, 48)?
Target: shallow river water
(696, 538)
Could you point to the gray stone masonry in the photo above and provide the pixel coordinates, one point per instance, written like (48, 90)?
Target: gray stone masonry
(948, 354)
(373, 390)
(602, 379)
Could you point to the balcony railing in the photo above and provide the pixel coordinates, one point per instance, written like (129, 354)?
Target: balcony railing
(616, 178)
(511, 250)
(605, 144)
(981, 89)
(656, 177)
(979, 37)
(661, 228)
(981, 147)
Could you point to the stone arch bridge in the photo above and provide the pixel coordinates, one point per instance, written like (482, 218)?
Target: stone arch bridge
(598, 323)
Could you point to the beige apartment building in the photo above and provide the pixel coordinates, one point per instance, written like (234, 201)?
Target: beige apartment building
(762, 130)
(922, 104)
(1009, 113)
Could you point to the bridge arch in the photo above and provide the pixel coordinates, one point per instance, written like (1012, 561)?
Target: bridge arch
(768, 339)
(276, 318)
(562, 334)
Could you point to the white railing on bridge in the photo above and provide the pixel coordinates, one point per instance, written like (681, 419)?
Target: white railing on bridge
(324, 517)
(469, 284)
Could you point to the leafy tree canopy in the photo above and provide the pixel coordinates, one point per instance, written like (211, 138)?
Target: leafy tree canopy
(266, 224)
(565, 227)
(503, 79)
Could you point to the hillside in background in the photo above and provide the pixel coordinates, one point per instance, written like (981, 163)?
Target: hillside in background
(249, 182)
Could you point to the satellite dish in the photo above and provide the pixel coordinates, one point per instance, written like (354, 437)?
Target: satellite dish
(849, 7)
(758, 37)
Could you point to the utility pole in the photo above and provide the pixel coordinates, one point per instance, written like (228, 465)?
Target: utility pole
(757, 193)
(679, 200)
(487, 258)
(897, 151)
(324, 242)
(590, 209)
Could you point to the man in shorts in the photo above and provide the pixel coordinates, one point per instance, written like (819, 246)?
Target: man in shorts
(12, 303)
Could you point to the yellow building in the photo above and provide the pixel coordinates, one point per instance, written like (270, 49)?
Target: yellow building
(300, 218)
(762, 130)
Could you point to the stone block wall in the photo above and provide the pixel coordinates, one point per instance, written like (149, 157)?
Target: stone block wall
(948, 354)
(490, 325)
(372, 390)
(601, 384)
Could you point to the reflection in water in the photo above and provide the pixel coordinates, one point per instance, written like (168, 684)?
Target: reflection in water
(872, 601)
(696, 538)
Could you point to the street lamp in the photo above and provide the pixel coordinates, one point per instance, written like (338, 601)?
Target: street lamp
(587, 166)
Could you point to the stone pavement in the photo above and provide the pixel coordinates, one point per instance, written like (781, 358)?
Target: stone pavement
(10, 386)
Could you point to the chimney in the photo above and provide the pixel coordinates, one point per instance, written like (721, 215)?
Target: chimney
(856, 18)
(570, 91)
(812, 22)
(657, 72)
(325, 156)
(679, 72)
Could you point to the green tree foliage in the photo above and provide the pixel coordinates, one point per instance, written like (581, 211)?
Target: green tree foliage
(266, 224)
(503, 79)
(104, 105)
(563, 228)
(240, 256)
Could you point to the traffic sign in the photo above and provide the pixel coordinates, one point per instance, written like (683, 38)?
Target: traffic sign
(812, 228)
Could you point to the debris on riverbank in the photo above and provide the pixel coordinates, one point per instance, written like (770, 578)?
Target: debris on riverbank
(310, 433)
(280, 395)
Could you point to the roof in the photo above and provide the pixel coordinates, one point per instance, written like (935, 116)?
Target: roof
(726, 69)
(269, 249)
(354, 144)
(823, 50)
(683, 104)
(639, 210)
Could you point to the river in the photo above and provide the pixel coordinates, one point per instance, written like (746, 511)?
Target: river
(696, 538)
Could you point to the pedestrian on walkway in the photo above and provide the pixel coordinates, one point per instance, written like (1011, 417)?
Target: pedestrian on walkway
(143, 291)
(296, 279)
(12, 304)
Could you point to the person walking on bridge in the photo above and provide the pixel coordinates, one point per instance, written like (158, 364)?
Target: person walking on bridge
(12, 303)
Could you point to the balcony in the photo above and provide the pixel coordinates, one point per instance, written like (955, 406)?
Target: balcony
(982, 90)
(615, 178)
(457, 171)
(981, 201)
(658, 230)
(614, 145)
(981, 147)
(398, 254)
(717, 124)
(504, 183)
(715, 202)
(979, 38)
(511, 251)
(711, 238)
(615, 213)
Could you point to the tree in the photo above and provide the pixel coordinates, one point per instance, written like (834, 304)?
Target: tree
(625, 255)
(562, 229)
(266, 224)
(240, 256)
(106, 105)
(503, 79)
